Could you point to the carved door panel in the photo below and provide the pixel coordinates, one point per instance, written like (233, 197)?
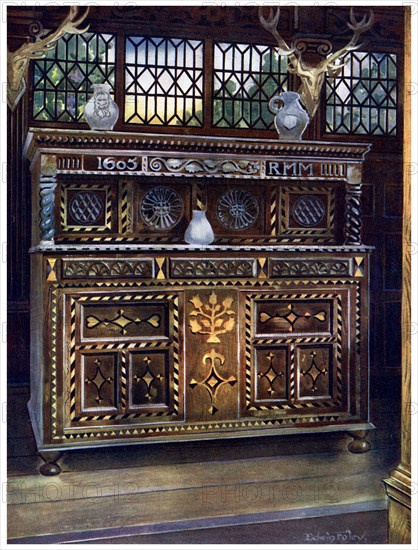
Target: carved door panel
(300, 351)
(123, 359)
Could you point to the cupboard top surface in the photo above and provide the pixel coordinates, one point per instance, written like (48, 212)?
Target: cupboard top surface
(48, 139)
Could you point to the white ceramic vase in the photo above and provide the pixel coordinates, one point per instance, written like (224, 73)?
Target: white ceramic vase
(101, 112)
(199, 231)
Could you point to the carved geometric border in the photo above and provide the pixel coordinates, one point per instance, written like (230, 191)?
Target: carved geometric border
(255, 283)
(179, 429)
(86, 228)
(53, 359)
(292, 340)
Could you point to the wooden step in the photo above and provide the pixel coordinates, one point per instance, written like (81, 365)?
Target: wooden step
(146, 496)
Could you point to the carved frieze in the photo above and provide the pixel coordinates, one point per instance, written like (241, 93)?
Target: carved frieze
(207, 166)
(309, 268)
(184, 268)
(83, 269)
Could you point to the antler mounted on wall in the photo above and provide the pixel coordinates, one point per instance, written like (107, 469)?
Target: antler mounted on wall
(312, 76)
(18, 61)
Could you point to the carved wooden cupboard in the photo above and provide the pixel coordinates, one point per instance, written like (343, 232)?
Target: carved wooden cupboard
(139, 337)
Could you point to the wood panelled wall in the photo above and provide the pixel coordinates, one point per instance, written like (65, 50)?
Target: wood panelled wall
(383, 169)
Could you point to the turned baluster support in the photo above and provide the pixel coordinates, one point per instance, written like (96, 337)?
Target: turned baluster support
(352, 227)
(359, 444)
(47, 186)
(46, 174)
(50, 467)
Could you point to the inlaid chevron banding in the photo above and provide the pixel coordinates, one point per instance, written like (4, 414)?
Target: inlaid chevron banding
(176, 348)
(292, 377)
(248, 351)
(53, 364)
(123, 379)
(178, 429)
(339, 347)
(273, 213)
(124, 209)
(72, 358)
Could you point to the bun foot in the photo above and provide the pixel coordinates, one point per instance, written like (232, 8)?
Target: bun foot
(50, 468)
(359, 443)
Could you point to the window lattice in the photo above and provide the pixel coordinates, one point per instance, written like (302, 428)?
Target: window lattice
(164, 81)
(245, 78)
(363, 99)
(62, 81)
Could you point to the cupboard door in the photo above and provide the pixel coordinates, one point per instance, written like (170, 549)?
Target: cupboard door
(123, 361)
(300, 352)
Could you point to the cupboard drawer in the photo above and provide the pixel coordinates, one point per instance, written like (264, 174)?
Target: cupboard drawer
(125, 320)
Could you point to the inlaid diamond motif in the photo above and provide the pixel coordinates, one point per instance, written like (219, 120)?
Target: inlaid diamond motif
(213, 380)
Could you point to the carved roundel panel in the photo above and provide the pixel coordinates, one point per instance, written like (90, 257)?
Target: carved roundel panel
(86, 207)
(237, 209)
(161, 208)
(308, 210)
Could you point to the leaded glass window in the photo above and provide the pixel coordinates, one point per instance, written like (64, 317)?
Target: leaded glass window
(363, 99)
(245, 78)
(164, 81)
(62, 81)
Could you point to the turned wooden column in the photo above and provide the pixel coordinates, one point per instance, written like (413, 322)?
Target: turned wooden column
(398, 485)
(46, 175)
(352, 227)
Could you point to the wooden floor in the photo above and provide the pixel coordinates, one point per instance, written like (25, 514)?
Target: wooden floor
(288, 489)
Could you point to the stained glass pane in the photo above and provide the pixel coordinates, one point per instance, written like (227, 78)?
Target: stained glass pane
(62, 81)
(164, 81)
(245, 78)
(362, 100)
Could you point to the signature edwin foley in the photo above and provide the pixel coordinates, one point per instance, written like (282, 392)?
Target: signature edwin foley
(343, 537)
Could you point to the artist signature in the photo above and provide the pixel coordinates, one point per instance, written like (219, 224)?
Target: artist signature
(344, 537)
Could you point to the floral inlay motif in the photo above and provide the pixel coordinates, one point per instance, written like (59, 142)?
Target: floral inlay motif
(212, 318)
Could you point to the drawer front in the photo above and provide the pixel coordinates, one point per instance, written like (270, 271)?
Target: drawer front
(133, 320)
(293, 316)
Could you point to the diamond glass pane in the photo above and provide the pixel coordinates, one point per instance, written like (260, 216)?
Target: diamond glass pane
(164, 81)
(62, 81)
(363, 99)
(245, 78)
